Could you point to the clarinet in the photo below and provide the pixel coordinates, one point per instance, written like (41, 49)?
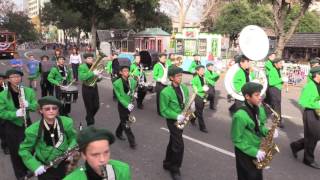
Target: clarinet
(22, 99)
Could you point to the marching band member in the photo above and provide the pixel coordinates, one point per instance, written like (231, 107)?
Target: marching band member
(309, 100)
(169, 62)
(108, 65)
(241, 77)
(139, 75)
(173, 98)
(274, 87)
(267, 68)
(200, 86)
(124, 89)
(47, 139)
(159, 72)
(90, 94)
(313, 63)
(14, 110)
(94, 146)
(4, 145)
(211, 78)
(60, 76)
(196, 61)
(44, 68)
(247, 130)
(57, 53)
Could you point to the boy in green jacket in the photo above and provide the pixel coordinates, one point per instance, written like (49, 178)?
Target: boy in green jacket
(173, 100)
(15, 111)
(313, 63)
(124, 89)
(196, 61)
(309, 100)
(267, 67)
(247, 130)
(47, 139)
(200, 87)
(60, 76)
(275, 83)
(211, 78)
(4, 146)
(95, 143)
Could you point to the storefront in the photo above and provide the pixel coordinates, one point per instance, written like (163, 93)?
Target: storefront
(152, 39)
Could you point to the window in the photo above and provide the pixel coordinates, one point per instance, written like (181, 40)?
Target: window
(3, 38)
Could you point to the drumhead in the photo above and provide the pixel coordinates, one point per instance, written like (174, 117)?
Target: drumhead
(70, 88)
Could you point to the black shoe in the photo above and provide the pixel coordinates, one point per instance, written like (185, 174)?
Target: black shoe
(133, 146)
(313, 165)
(204, 130)
(6, 150)
(294, 152)
(140, 106)
(281, 125)
(165, 167)
(175, 175)
(193, 123)
(121, 137)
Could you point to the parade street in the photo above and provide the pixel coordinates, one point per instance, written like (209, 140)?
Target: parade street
(207, 156)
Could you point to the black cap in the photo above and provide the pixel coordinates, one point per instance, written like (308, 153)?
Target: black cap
(13, 71)
(124, 66)
(314, 61)
(44, 56)
(315, 70)
(271, 52)
(90, 134)
(174, 70)
(196, 54)
(250, 88)
(2, 75)
(199, 66)
(86, 55)
(162, 54)
(276, 60)
(209, 64)
(48, 100)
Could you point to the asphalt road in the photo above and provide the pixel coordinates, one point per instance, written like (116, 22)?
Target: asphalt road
(206, 156)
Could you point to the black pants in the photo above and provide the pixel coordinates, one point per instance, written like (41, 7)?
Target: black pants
(57, 173)
(15, 135)
(158, 89)
(199, 103)
(311, 126)
(235, 106)
(275, 99)
(124, 117)
(175, 148)
(66, 107)
(246, 170)
(46, 86)
(141, 94)
(91, 101)
(3, 134)
(75, 71)
(211, 96)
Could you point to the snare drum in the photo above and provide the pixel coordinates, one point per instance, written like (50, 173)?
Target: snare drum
(69, 94)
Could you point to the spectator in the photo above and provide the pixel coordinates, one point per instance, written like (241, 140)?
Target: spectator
(16, 62)
(33, 71)
(75, 60)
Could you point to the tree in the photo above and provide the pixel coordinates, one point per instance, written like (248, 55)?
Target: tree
(6, 6)
(20, 23)
(236, 15)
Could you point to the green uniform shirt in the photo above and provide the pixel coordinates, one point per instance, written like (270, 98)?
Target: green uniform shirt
(192, 67)
(84, 73)
(169, 104)
(56, 78)
(309, 77)
(168, 63)
(243, 134)
(134, 70)
(197, 86)
(267, 66)
(124, 98)
(211, 77)
(8, 110)
(121, 170)
(239, 79)
(310, 97)
(108, 67)
(274, 79)
(34, 155)
(158, 71)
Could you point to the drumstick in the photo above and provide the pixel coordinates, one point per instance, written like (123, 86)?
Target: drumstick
(70, 83)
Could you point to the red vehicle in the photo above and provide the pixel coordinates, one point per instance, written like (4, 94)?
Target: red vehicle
(7, 44)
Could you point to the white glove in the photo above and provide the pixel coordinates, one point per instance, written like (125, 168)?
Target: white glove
(40, 170)
(25, 103)
(163, 81)
(180, 118)
(260, 155)
(276, 133)
(96, 72)
(135, 95)
(19, 112)
(130, 107)
(205, 88)
(193, 107)
(285, 79)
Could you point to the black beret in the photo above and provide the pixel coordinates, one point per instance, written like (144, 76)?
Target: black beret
(209, 64)
(124, 66)
(90, 134)
(162, 54)
(196, 54)
(13, 71)
(271, 52)
(44, 56)
(199, 66)
(276, 60)
(240, 58)
(250, 88)
(86, 55)
(314, 61)
(61, 57)
(49, 100)
(315, 70)
(2, 75)
(174, 70)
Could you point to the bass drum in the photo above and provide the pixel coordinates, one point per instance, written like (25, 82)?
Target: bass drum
(259, 77)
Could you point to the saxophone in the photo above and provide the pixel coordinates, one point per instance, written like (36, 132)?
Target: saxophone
(187, 113)
(22, 99)
(267, 143)
(104, 172)
(132, 118)
(97, 65)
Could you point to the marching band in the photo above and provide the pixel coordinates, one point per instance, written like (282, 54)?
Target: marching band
(48, 148)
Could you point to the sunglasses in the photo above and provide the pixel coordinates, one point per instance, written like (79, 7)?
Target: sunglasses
(54, 108)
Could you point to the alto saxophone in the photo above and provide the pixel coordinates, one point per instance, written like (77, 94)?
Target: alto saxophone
(187, 113)
(267, 143)
(104, 172)
(22, 99)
